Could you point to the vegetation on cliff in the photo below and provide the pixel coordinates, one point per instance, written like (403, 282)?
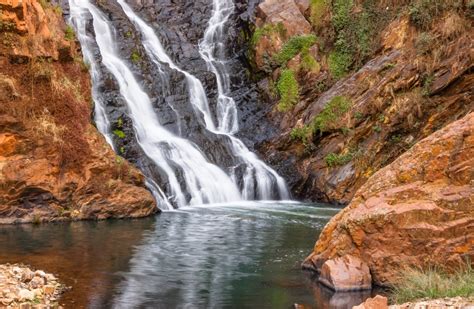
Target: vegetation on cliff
(405, 68)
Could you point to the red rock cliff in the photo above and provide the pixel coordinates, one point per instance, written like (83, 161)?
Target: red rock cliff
(416, 212)
(54, 165)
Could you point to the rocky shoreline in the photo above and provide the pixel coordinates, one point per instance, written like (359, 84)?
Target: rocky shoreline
(381, 302)
(23, 287)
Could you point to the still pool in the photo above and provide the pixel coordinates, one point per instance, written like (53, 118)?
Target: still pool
(246, 255)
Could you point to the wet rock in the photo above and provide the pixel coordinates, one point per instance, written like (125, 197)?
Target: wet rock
(378, 302)
(348, 273)
(416, 212)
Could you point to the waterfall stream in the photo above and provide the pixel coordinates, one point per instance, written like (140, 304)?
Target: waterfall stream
(191, 178)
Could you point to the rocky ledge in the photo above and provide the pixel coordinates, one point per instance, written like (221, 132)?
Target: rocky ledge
(54, 164)
(380, 302)
(22, 287)
(416, 212)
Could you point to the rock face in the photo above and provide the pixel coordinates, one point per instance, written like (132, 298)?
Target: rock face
(346, 273)
(416, 212)
(400, 84)
(54, 165)
(378, 302)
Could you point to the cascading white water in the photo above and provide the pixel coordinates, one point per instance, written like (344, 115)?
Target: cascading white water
(259, 180)
(212, 50)
(201, 180)
(100, 116)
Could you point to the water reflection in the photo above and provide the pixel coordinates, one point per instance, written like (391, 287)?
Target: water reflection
(232, 256)
(85, 255)
(224, 256)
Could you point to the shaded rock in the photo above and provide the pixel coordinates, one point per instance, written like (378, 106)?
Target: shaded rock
(416, 212)
(378, 302)
(346, 274)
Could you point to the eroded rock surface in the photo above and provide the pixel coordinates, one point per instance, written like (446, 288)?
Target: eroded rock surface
(347, 273)
(401, 83)
(54, 165)
(416, 212)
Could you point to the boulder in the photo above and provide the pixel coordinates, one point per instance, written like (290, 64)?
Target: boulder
(416, 212)
(378, 302)
(346, 273)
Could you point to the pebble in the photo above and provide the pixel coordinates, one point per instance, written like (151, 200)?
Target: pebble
(24, 288)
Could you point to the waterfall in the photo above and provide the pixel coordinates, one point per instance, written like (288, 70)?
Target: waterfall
(212, 50)
(202, 181)
(259, 180)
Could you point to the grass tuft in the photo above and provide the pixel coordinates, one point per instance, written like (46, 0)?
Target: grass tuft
(432, 283)
(294, 46)
(332, 112)
(288, 89)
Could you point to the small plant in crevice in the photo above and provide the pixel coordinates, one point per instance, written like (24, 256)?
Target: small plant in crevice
(302, 134)
(317, 10)
(308, 63)
(268, 29)
(377, 128)
(288, 89)
(332, 112)
(135, 56)
(69, 33)
(424, 43)
(293, 47)
(333, 159)
(119, 133)
(427, 82)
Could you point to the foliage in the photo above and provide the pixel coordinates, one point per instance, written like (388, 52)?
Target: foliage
(341, 14)
(421, 12)
(119, 133)
(332, 112)
(135, 56)
(433, 283)
(308, 63)
(266, 30)
(69, 33)
(333, 160)
(424, 43)
(339, 63)
(288, 89)
(302, 134)
(294, 46)
(317, 8)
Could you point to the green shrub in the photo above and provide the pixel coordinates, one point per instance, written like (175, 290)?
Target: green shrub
(415, 284)
(294, 46)
(302, 134)
(288, 89)
(135, 56)
(317, 8)
(69, 33)
(333, 160)
(339, 63)
(308, 63)
(332, 112)
(341, 13)
(119, 133)
(422, 12)
(268, 29)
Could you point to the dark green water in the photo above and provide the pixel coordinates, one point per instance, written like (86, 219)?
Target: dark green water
(239, 256)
